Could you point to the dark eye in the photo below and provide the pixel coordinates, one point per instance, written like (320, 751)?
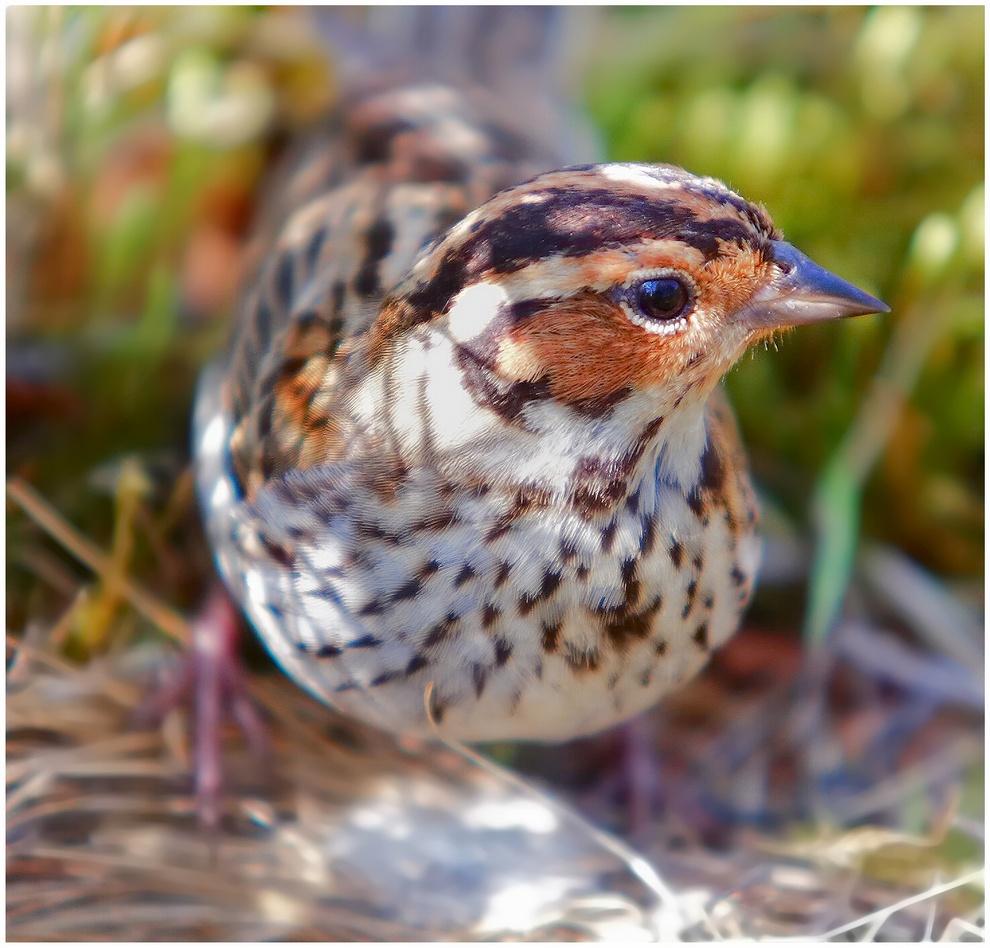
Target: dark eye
(663, 299)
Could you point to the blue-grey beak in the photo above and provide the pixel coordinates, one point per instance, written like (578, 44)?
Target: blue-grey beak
(802, 292)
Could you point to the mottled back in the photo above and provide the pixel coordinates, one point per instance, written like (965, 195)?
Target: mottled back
(440, 109)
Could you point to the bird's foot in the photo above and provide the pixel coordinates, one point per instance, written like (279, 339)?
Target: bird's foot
(211, 679)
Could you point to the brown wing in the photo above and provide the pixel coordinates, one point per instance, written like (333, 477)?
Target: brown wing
(727, 468)
(366, 193)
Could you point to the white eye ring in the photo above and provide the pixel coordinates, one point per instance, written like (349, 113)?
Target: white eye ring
(659, 302)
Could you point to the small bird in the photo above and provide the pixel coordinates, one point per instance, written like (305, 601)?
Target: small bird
(469, 441)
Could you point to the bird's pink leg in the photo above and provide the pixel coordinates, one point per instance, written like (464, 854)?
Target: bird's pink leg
(211, 678)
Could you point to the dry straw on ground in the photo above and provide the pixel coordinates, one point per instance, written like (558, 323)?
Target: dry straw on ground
(350, 834)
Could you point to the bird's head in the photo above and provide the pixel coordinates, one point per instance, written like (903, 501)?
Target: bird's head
(595, 284)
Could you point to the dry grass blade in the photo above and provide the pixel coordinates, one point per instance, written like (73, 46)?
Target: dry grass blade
(875, 920)
(38, 509)
(924, 603)
(353, 836)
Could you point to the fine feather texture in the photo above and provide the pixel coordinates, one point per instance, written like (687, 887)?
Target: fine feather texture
(451, 451)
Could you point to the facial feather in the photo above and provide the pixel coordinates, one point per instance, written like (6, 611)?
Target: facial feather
(557, 247)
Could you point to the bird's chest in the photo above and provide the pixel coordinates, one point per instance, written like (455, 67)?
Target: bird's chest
(525, 613)
(531, 618)
(657, 576)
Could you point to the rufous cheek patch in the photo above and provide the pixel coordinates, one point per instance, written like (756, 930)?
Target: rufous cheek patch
(587, 349)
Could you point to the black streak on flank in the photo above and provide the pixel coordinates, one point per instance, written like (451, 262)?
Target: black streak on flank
(700, 637)
(417, 662)
(548, 586)
(327, 594)
(435, 522)
(581, 659)
(323, 651)
(550, 637)
(501, 528)
(630, 583)
(429, 568)
(649, 535)
(692, 591)
(712, 480)
(712, 469)
(438, 707)
(441, 631)
(284, 281)
(599, 486)
(313, 248)
(503, 651)
(696, 502)
(378, 243)
(676, 554)
(503, 574)
(568, 551)
(366, 641)
(338, 293)
(279, 553)
(622, 628)
(480, 676)
(408, 590)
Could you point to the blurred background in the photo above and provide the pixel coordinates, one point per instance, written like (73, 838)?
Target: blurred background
(862, 132)
(136, 140)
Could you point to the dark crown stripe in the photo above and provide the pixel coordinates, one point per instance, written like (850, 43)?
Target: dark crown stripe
(577, 217)
(571, 223)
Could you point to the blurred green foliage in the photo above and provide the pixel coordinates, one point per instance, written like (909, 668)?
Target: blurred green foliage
(112, 178)
(136, 139)
(862, 131)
